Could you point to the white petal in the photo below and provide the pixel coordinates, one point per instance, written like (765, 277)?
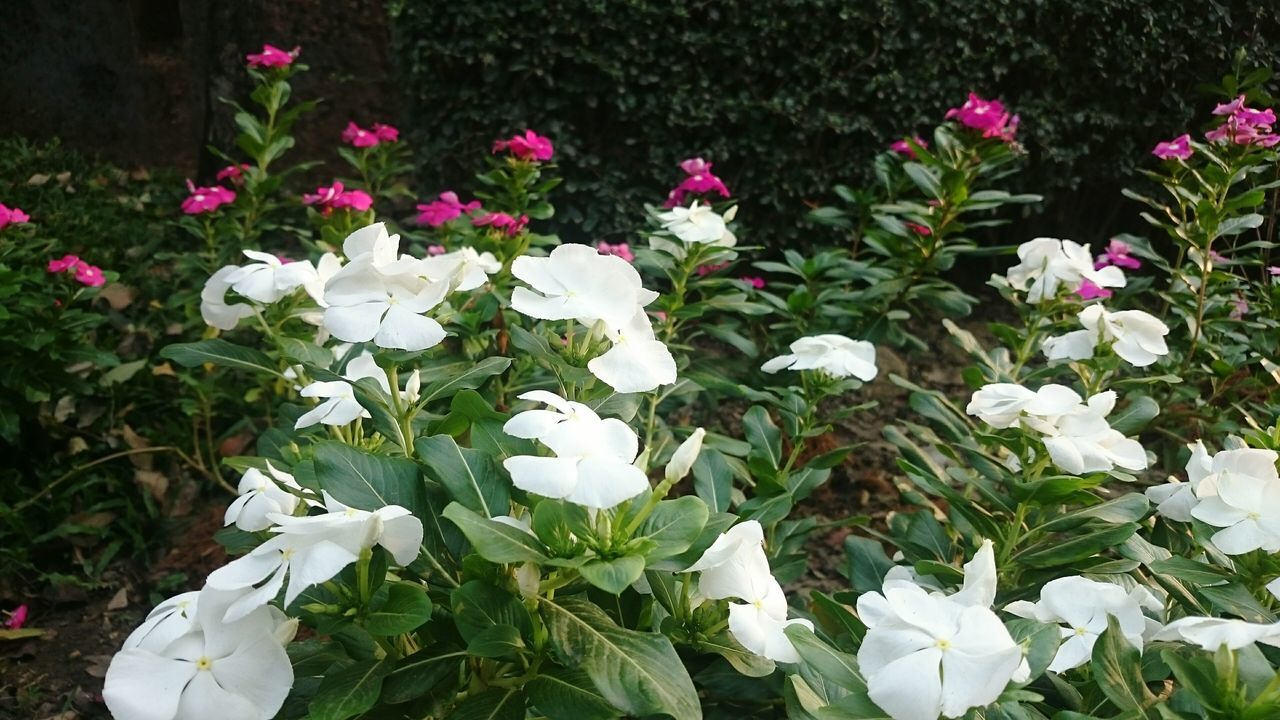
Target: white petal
(548, 477)
(404, 330)
(603, 482)
(204, 699)
(258, 671)
(355, 323)
(910, 687)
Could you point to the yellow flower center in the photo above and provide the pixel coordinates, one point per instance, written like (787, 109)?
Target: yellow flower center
(1081, 632)
(204, 663)
(943, 644)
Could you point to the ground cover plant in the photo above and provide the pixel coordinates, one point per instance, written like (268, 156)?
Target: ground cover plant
(500, 476)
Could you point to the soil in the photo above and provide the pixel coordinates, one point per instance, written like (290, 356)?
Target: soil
(58, 675)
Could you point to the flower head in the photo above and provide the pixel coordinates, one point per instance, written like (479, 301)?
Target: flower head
(1082, 606)
(836, 355)
(637, 361)
(337, 197)
(272, 57)
(902, 147)
(356, 136)
(261, 494)
(1048, 264)
(1178, 148)
(465, 269)
(17, 618)
(386, 133)
(445, 208)
(987, 116)
(65, 263)
(1242, 497)
(622, 250)
(269, 279)
(501, 221)
(1137, 337)
(754, 281)
(206, 199)
(11, 216)
(697, 224)
(529, 146)
(339, 406)
(1244, 125)
(90, 275)
(234, 173)
(576, 282)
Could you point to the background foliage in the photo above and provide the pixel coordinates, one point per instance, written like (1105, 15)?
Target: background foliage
(792, 96)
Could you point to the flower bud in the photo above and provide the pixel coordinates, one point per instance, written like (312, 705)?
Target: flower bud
(682, 461)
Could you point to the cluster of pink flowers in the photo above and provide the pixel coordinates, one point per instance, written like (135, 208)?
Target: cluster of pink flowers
(1177, 148)
(272, 57)
(754, 281)
(501, 221)
(1244, 125)
(336, 197)
(447, 207)
(622, 250)
(1089, 291)
(987, 116)
(11, 216)
(1117, 254)
(529, 146)
(356, 136)
(234, 173)
(902, 147)
(85, 274)
(699, 180)
(207, 199)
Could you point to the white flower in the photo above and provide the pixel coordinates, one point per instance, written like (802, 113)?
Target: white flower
(366, 303)
(340, 406)
(1242, 497)
(377, 249)
(465, 267)
(1002, 405)
(1082, 606)
(1049, 263)
(929, 655)
(1082, 441)
(684, 457)
(763, 631)
(592, 466)
(260, 495)
(637, 362)
(697, 224)
(1137, 337)
(1175, 499)
(167, 622)
(213, 302)
(835, 355)
(313, 549)
(326, 268)
(575, 282)
(214, 671)
(1212, 633)
(269, 279)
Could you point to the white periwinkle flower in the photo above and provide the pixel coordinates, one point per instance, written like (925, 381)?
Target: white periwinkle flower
(1082, 441)
(682, 460)
(637, 361)
(165, 623)
(1049, 263)
(1212, 633)
(262, 494)
(592, 464)
(366, 304)
(1175, 499)
(328, 266)
(575, 282)
(1243, 498)
(1137, 337)
(926, 655)
(465, 268)
(340, 405)
(314, 548)
(735, 566)
(214, 670)
(836, 355)
(1082, 606)
(269, 279)
(1003, 405)
(698, 224)
(213, 302)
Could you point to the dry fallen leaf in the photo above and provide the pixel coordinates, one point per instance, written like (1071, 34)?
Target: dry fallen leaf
(156, 483)
(165, 369)
(97, 665)
(38, 179)
(120, 600)
(118, 296)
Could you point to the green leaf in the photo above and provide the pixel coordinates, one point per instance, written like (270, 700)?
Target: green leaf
(366, 481)
(613, 576)
(1135, 416)
(712, 479)
(306, 353)
(478, 606)
(493, 704)
(1039, 643)
(638, 673)
(838, 667)
(349, 691)
(469, 379)
(561, 693)
(1055, 552)
(495, 541)
(416, 674)
(868, 563)
(221, 353)
(406, 609)
(1117, 668)
(924, 178)
(764, 436)
(469, 476)
(743, 660)
(1188, 570)
(496, 641)
(674, 525)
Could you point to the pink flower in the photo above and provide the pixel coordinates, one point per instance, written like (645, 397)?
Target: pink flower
(1239, 308)
(1217, 257)
(68, 262)
(386, 133)
(336, 196)
(1117, 254)
(1089, 291)
(1274, 270)
(622, 250)
(90, 275)
(1230, 108)
(530, 146)
(357, 136)
(11, 216)
(448, 207)
(704, 270)
(17, 618)
(1179, 147)
(357, 200)
(434, 250)
(917, 228)
(699, 180)
(674, 198)
(234, 173)
(501, 221)
(272, 57)
(979, 114)
(1244, 125)
(206, 199)
(755, 282)
(902, 147)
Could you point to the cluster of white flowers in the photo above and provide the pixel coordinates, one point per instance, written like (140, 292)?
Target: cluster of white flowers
(836, 355)
(1237, 490)
(603, 292)
(1137, 337)
(1075, 432)
(735, 566)
(1049, 265)
(1081, 606)
(699, 224)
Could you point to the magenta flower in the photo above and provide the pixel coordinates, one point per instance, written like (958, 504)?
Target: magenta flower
(234, 173)
(11, 216)
(90, 275)
(530, 146)
(704, 270)
(1274, 270)
(386, 133)
(980, 114)
(272, 57)
(441, 211)
(1179, 147)
(357, 200)
(337, 197)
(674, 198)
(67, 262)
(501, 221)
(1090, 291)
(1244, 125)
(1217, 257)
(699, 180)
(1117, 254)
(434, 250)
(902, 147)
(1230, 108)
(622, 250)
(755, 282)
(357, 136)
(917, 228)
(17, 618)
(206, 199)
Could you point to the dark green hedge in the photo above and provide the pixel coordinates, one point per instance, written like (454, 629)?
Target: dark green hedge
(788, 97)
